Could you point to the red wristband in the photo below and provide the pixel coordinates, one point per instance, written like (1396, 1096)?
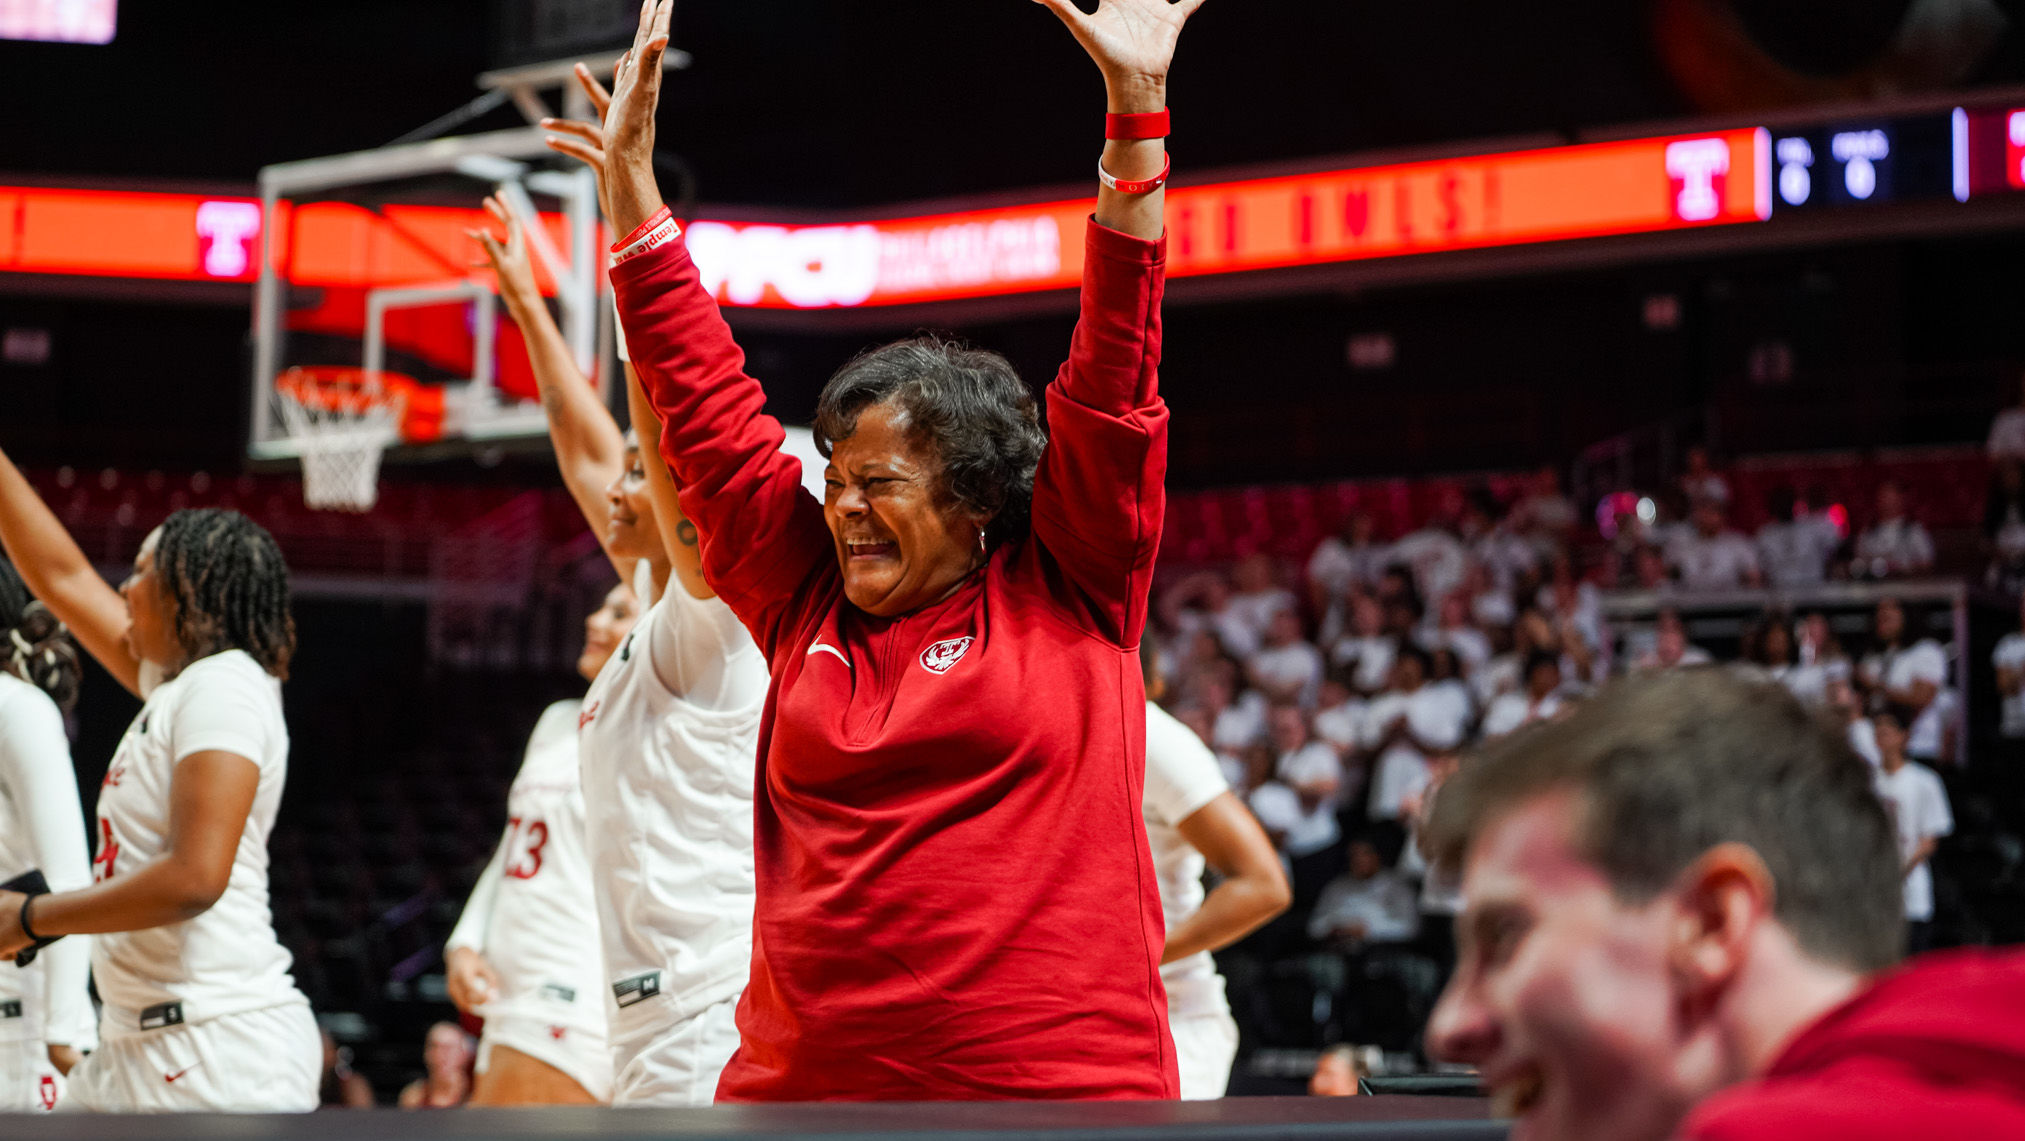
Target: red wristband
(1146, 125)
(643, 229)
(652, 234)
(1135, 186)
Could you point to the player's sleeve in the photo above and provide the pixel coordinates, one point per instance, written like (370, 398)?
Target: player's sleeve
(1181, 773)
(763, 535)
(476, 922)
(1100, 492)
(703, 653)
(36, 772)
(228, 710)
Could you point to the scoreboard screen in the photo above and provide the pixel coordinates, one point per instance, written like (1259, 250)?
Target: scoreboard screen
(1990, 144)
(59, 21)
(1860, 163)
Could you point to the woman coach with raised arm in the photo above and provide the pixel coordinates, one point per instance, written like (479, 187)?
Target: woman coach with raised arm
(955, 897)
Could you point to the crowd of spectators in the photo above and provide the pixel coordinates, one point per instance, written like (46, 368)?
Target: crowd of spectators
(1339, 695)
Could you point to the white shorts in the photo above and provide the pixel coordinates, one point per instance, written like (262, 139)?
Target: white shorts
(262, 1061)
(1205, 1045)
(28, 1083)
(585, 1057)
(681, 1067)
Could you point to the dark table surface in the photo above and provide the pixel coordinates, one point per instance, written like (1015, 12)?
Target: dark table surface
(1249, 1119)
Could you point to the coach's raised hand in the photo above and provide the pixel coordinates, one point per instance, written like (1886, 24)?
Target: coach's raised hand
(624, 147)
(1132, 42)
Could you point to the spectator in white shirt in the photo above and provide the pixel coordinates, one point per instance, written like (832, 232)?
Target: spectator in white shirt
(2007, 431)
(1539, 701)
(1713, 557)
(1404, 725)
(1545, 517)
(1339, 714)
(1369, 903)
(1308, 766)
(1490, 543)
(1918, 804)
(1456, 633)
(1821, 662)
(1794, 548)
(1203, 602)
(1286, 668)
(1670, 647)
(1298, 809)
(1258, 596)
(1434, 554)
(1345, 562)
(1701, 481)
(2009, 660)
(1769, 648)
(2004, 526)
(1896, 546)
(1670, 523)
(1367, 650)
(1575, 607)
(1236, 720)
(1912, 671)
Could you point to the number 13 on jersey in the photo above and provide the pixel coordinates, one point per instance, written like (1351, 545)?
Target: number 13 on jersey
(524, 841)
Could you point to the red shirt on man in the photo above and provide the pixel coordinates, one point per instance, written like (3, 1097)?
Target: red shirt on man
(1934, 1049)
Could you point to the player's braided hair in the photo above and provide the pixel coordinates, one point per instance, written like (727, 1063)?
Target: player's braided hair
(34, 645)
(230, 585)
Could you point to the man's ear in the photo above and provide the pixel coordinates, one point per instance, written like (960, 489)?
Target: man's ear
(1720, 901)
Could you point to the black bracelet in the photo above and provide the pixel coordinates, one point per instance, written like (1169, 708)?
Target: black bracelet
(25, 928)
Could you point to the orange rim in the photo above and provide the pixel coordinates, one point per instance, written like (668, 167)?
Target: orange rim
(344, 389)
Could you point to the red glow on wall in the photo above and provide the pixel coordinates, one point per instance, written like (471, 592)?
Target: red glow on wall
(2014, 149)
(1595, 190)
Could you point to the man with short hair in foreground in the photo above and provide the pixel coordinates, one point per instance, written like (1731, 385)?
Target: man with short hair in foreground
(1683, 911)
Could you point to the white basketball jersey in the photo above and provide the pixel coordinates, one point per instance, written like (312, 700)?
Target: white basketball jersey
(669, 730)
(226, 960)
(1182, 775)
(42, 828)
(533, 913)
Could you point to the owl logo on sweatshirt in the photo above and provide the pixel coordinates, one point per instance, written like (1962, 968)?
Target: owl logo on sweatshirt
(938, 658)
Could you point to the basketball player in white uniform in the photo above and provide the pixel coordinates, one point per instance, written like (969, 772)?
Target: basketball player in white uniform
(46, 1017)
(526, 956)
(668, 734)
(200, 1010)
(1193, 820)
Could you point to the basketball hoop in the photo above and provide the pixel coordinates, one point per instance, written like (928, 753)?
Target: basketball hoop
(342, 420)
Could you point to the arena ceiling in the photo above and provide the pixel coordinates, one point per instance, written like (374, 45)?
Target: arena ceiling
(819, 103)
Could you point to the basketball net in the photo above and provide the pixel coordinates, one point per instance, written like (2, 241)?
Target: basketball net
(341, 423)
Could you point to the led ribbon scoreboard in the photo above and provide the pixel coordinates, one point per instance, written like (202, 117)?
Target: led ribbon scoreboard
(1742, 177)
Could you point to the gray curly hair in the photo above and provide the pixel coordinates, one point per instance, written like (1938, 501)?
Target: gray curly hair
(968, 404)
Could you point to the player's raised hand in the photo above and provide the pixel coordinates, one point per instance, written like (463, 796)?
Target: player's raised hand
(1132, 41)
(585, 142)
(508, 258)
(624, 146)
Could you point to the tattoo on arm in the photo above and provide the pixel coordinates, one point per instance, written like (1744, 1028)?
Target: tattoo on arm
(685, 532)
